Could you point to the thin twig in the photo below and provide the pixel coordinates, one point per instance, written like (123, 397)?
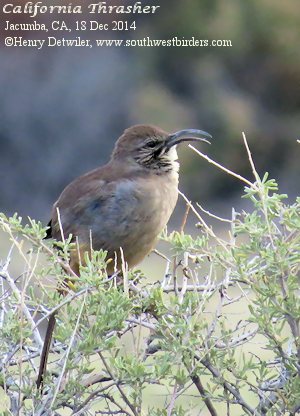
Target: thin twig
(196, 380)
(141, 323)
(68, 353)
(193, 288)
(185, 217)
(90, 397)
(254, 171)
(60, 225)
(132, 408)
(17, 293)
(172, 401)
(155, 251)
(216, 217)
(184, 279)
(234, 391)
(230, 172)
(203, 223)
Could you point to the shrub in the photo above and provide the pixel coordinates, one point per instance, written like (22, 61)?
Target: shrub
(217, 334)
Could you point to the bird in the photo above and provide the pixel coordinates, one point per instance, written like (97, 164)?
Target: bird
(123, 205)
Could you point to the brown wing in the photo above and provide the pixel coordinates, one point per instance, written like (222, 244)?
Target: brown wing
(99, 203)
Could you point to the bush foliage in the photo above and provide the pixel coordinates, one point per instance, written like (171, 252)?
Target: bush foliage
(217, 334)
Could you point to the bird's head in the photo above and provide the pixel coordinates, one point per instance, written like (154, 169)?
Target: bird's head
(152, 147)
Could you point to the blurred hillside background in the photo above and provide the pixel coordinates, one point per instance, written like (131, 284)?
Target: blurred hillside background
(61, 109)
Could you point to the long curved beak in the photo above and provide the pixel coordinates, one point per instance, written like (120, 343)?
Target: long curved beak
(188, 135)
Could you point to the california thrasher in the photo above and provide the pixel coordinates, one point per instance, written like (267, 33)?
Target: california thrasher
(124, 204)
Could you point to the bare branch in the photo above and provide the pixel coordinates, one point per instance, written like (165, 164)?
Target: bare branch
(230, 172)
(196, 380)
(132, 408)
(23, 305)
(67, 353)
(230, 388)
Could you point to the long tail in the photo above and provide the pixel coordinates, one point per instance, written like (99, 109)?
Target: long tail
(45, 351)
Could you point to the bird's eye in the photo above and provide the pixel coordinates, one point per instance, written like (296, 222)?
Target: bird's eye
(151, 144)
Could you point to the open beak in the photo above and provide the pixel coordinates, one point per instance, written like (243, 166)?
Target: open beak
(188, 135)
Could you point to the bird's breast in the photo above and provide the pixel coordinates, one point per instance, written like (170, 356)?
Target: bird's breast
(146, 204)
(137, 213)
(157, 200)
(145, 214)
